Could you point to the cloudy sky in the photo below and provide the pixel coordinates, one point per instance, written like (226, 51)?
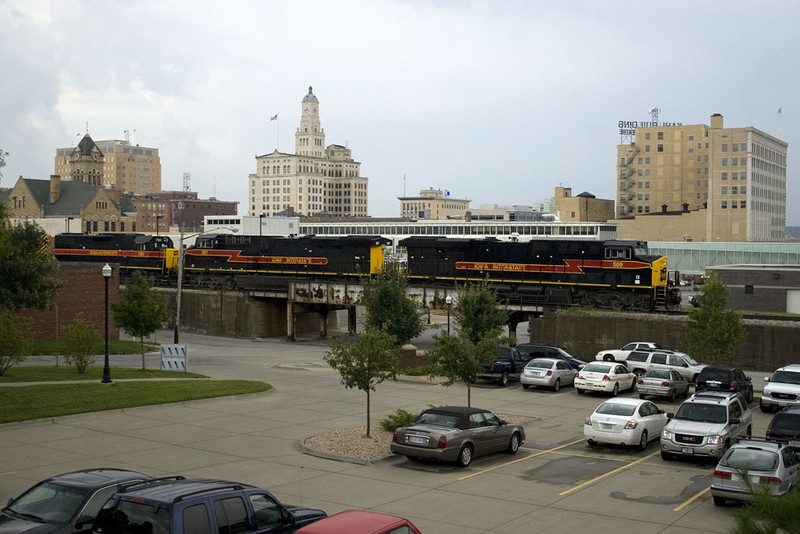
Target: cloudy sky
(497, 101)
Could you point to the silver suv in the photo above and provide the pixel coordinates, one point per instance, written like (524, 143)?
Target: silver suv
(782, 389)
(705, 425)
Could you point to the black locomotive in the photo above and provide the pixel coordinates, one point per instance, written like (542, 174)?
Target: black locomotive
(610, 274)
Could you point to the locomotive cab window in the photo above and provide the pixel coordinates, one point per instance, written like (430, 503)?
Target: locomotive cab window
(617, 253)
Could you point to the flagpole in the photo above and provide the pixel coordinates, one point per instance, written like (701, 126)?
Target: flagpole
(404, 185)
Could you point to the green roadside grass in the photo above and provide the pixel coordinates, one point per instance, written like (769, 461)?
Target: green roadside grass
(28, 402)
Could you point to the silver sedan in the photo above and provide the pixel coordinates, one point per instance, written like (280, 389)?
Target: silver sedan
(547, 372)
(662, 383)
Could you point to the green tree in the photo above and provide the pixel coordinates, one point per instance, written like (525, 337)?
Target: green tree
(3, 155)
(769, 515)
(140, 311)
(365, 361)
(480, 326)
(27, 266)
(388, 305)
(15, 345)
(81, 342)
(714, 331)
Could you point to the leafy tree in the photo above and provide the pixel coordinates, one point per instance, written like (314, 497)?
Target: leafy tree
(388, 305)
(27, 267)
(140, 311)
(480, 325)
(768, 514)
(3, 155)
(714, 331)
(81, 342)
(365, 361)
(14, 342)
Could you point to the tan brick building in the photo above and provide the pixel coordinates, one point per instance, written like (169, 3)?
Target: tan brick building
(129, 168)
(702, 183)
(433, 204)
(314, 180)
(584, 207)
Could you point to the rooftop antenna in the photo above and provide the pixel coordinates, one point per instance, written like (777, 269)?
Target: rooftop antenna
(187, 181)
(654, 111)
(127, 136)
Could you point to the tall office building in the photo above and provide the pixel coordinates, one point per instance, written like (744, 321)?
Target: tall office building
(714, 183)
(314, 180)
(130, 168)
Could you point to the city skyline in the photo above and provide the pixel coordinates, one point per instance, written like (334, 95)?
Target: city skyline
(488, 100)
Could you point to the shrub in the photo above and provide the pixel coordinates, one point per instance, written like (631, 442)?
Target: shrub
(400, 418)
(81, 342)
(14, 343)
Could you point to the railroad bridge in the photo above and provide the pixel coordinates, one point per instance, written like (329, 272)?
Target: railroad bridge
(303, 308)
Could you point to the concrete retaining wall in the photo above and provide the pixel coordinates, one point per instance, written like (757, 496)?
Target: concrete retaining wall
(767, 346)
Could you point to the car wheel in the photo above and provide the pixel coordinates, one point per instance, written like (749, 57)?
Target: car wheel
(557, 385)
(615, 391)
(666, 456)
(608, 358)
(580, 391)
(642, 395)
(464, 456)
(719, 501)
(749, 433)
(750, 396)
(765, 409)
(526, 386)
(643, 441)
(592, 443)
(504, 379)
(686, 392)
(672, 396)
(513, 444)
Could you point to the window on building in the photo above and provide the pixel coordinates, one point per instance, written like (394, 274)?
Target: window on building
(638, 172)
(647, 196)
(734, 204)
(661, 148)
(661, 135)
(691, 151)
(724, 175)
(724, 204)
(748, 289)
(743, 189)
(743, 204)
(724, 162)
(640, 161)
(647, 148)
(691, 138)
(638, 209)
(734, 190)
(647, 136)
(647, 161)
(647, 209)
(724, 147)
(724, 190)
(647, 185)
(638, 185)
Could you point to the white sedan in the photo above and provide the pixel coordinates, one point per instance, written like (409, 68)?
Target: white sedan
(620, 355)
(604, 376)
(625, 421)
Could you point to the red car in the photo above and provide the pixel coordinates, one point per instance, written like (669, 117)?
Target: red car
(360, 522)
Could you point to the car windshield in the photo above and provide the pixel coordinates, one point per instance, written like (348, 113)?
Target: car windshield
(597, 368)
(785, 423)
(747, 458)
(437, 419)
(615, 408)
(657, 373)
(49, 503)
(702, 413)
(786, 377)
(716, 374)
(540, 364)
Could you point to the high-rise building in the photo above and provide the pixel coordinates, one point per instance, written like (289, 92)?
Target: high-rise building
(714, 183)
(130, 168)
(314, 180)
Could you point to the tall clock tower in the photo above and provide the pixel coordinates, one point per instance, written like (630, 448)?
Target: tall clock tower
(86, 162)
(310, 137)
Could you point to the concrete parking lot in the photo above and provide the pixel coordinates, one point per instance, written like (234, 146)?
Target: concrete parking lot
(554, 484)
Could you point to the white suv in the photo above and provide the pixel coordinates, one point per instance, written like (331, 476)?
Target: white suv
(706, 424)
(782, 389)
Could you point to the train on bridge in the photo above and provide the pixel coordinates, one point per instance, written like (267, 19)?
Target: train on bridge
(607, 274)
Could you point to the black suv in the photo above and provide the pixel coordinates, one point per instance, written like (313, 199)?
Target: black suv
(65, 503)
(175, 505)
(725, 379)
(785, 426)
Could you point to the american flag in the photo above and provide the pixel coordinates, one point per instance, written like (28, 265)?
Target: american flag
(274, 117)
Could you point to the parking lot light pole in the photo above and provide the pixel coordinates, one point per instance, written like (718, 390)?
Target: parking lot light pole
(106, 369)
(449, 302)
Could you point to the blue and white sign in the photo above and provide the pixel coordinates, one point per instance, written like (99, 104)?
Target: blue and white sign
(174, 357)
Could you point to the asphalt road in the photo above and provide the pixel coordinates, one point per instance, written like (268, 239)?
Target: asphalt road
(554, 484)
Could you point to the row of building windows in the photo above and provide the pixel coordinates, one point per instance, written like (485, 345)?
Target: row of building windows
(735, 176)
(740, 190)
(735, 147)
(734, 204)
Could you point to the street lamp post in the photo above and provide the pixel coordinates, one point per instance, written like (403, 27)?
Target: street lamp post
(449, 302)
(106, 369)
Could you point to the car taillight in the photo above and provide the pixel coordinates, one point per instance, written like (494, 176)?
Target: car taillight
(549, 373)
(665, 384)
(733, 386)
(697, 382)
(722, 474)
(769, 480)
(491, 367)
(640, 381)
(769, 432)
(606, 378)
(578, 374)
(394, 437)
(442, 442)
(587, 421)
(631, 424)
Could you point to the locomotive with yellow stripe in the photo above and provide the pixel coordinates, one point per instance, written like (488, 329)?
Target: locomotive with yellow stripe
(606, 274)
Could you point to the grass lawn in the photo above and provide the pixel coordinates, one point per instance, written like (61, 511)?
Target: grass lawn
(23, 403)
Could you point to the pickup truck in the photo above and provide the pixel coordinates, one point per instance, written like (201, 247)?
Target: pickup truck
(640, 361)
(507, 365)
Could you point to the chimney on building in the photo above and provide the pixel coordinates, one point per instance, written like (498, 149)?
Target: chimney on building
(55, 188)
(716, 121)
(685, 208)
(663, 208)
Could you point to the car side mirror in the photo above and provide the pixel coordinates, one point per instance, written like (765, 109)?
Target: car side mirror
(83, 521)
(503, 422)
(661, 411)
(670, 415)
(766, 379)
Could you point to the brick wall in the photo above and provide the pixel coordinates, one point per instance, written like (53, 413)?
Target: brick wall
(82, 291)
